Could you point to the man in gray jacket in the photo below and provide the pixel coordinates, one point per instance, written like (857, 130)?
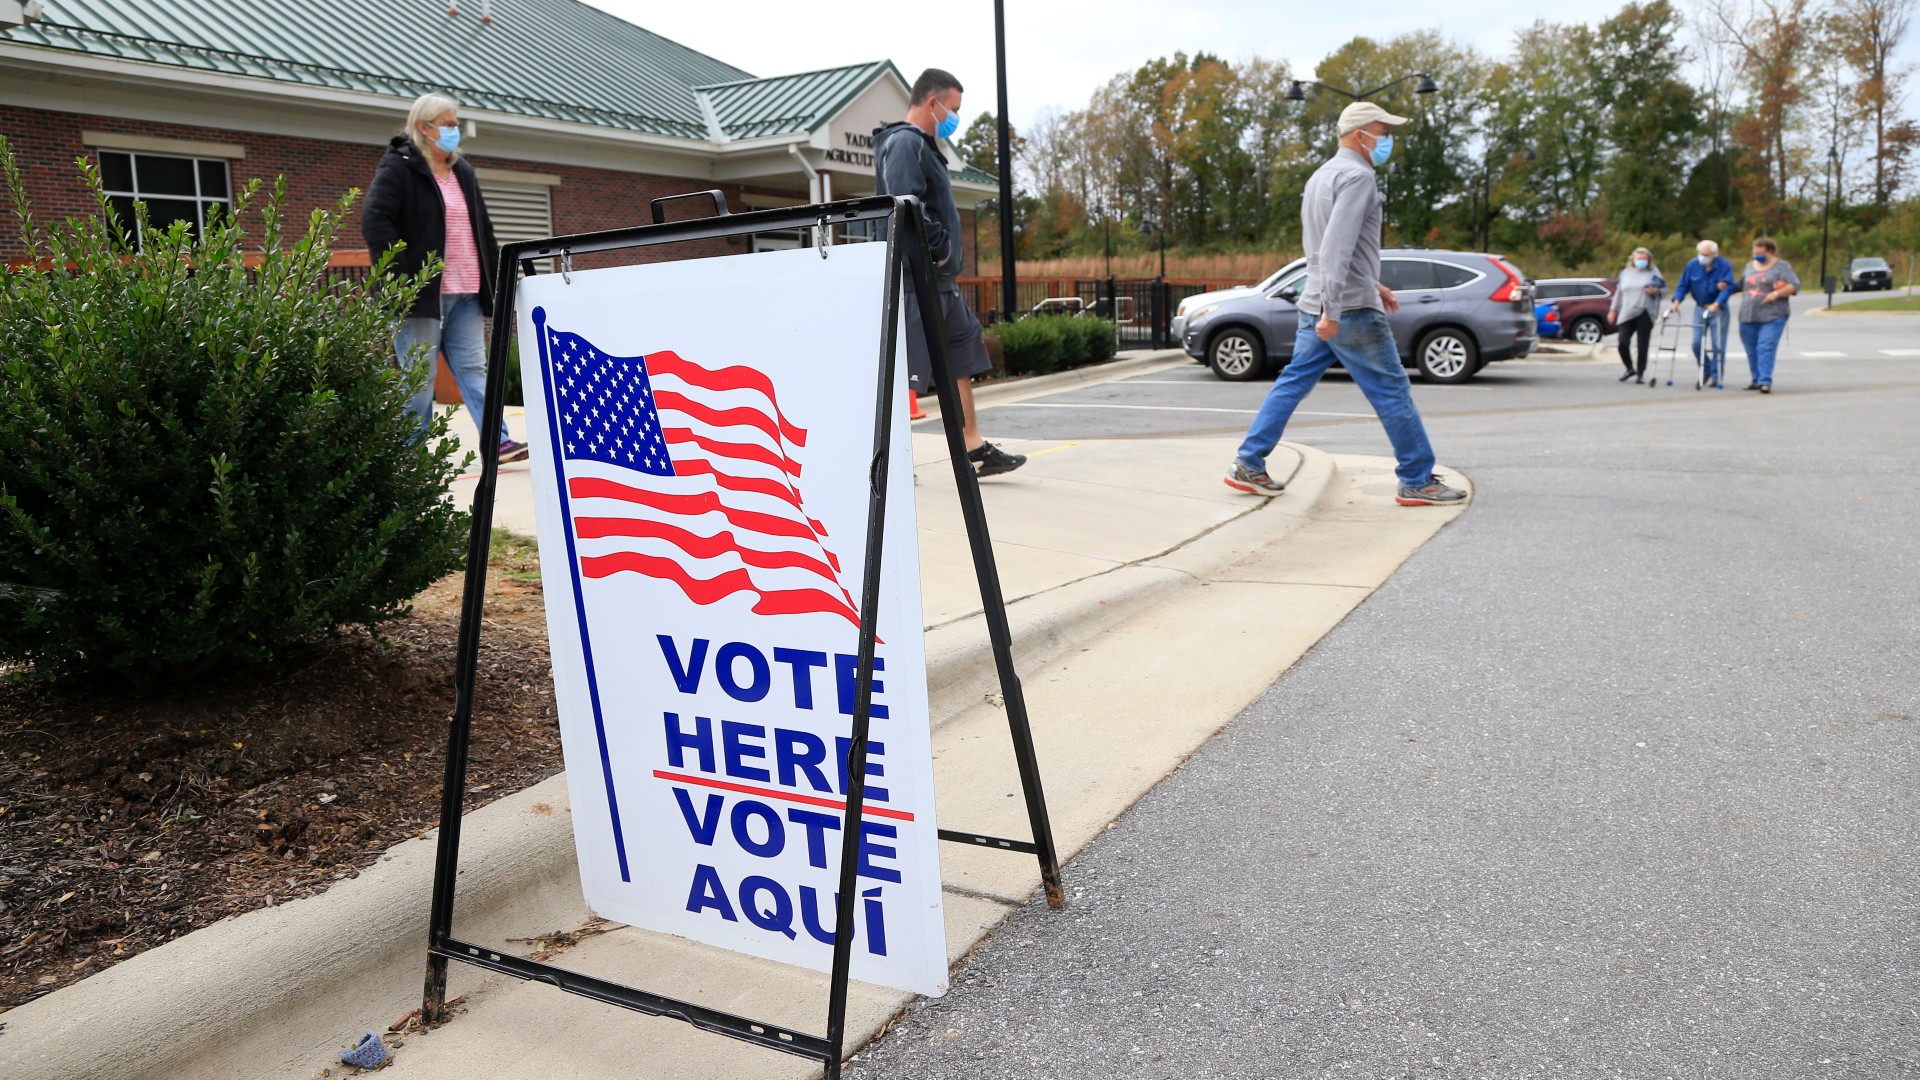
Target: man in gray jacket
(1343, 315)
(907, 161)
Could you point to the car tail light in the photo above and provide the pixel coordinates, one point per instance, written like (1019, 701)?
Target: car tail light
(1515, 286)
(1553, 315)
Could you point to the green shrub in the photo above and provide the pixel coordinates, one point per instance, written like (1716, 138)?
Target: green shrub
(1033, 346)
(201, 463)
(1098, 339)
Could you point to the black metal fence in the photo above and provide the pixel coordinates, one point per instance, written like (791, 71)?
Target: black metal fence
(1142, 308)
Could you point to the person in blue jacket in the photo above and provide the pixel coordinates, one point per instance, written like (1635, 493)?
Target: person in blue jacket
(1709, 279)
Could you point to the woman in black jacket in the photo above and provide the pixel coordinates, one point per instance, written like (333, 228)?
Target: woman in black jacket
(425, 195)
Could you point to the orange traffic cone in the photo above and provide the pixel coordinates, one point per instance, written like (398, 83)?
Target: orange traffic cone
(913, 406)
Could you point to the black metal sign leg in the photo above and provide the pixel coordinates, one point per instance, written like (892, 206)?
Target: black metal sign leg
(433, 1002)
(973, 510)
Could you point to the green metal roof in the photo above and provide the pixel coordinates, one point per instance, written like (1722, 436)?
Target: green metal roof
(749, 108)
(974, 176)
(558, 59)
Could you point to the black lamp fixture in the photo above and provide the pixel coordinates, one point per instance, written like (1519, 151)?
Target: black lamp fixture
(1296, 88)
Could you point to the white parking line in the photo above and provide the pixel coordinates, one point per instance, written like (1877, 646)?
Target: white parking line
(1084, 405)
(1900, 352)
(1823, 355)
(1157, 408)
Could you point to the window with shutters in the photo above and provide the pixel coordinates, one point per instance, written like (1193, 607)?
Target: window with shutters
(519, 212)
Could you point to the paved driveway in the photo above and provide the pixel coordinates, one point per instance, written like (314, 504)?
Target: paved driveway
(1617, 777)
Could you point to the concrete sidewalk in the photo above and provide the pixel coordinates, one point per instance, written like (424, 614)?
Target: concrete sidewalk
(1149, 603)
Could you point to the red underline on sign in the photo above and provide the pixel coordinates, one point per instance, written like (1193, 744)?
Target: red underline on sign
(776, 793)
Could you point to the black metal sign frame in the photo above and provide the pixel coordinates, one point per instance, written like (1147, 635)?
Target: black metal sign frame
(906, 255)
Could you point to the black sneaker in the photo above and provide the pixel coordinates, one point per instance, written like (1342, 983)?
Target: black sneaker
(990, 460)
(512, 451)
(1253, 481)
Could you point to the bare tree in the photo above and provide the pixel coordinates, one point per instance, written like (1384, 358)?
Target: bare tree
(1868, 33)
(1772, 38)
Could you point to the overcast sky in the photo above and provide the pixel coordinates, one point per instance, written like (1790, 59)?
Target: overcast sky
(1057, 53)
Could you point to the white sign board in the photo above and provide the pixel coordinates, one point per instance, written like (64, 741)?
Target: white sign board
(700, 436)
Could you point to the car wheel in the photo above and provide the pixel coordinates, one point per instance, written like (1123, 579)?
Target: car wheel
(1587, 330)
(1237, 356)
(1447, 355)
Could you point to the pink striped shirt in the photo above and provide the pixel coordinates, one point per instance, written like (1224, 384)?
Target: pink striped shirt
(462, 275)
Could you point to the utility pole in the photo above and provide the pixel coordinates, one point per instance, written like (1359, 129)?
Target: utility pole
(1008, 304)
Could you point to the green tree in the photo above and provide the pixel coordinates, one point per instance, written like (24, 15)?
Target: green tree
(1651, 114)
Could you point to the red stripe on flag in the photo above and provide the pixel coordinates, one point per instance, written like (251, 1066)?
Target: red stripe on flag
(704, 591)
(700, 547)
(727, 378)
(591, 487)
(668, 400)
(741, 451)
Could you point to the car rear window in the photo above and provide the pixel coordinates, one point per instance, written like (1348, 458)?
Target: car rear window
(1447, 275)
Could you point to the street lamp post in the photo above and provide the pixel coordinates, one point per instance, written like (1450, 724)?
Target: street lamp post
(1484, 227)
(1004, 157)
(1426, 85)
(1161, 294)
(1826, 219)
(979, 208)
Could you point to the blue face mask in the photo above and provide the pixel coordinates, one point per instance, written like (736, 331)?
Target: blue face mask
(1382, 149)
(948, 126)
(1639, 264)
(449, 139)
(1761, 260)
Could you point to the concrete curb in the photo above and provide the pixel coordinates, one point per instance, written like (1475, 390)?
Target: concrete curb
(200, 1005)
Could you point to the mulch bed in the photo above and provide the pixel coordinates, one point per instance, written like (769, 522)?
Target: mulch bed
(128, 819)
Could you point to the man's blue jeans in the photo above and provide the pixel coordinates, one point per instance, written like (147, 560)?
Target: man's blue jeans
(1762, 342)
(1364, 346)
(1718, 320)
(457, 333)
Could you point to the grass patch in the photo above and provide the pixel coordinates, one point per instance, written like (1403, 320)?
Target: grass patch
(515, 556)
(1883, 303)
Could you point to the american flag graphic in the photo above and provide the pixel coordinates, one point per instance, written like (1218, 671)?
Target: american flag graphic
(685, 473)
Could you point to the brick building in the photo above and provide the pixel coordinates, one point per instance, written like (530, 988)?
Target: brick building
(574, 118)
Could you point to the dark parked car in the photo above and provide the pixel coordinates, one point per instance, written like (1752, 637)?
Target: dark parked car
(1458, 311)
(1582, 304)
(1863, 274)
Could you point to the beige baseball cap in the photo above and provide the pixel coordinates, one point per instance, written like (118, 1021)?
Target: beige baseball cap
(1361, 113)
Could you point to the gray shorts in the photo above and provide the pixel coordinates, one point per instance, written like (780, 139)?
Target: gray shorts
(966, 351)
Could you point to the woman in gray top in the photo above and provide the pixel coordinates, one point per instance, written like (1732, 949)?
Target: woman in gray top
(1636, 296)
(1765, 285)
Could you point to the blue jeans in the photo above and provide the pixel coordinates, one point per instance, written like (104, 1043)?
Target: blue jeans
(457, 333)
(1717, 320)
(1762, 342)
(1364, 346)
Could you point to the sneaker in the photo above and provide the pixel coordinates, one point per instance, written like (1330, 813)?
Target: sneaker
(1431, 493)
(990, 460)
(1253, 481)
(512, 451)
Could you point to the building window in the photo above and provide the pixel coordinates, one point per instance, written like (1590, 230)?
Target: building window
(174, 189)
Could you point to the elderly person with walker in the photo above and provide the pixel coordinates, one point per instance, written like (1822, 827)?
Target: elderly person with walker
(1708, 279)
(1636, 296)
(425, 195)
(1766, 286)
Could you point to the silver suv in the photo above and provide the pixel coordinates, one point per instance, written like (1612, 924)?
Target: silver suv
(1458, 311)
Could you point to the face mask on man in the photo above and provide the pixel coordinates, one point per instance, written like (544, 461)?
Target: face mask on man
(949, 125)
(449, 139)
(1760, 258)
(1706, 260)
(1382, 149)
